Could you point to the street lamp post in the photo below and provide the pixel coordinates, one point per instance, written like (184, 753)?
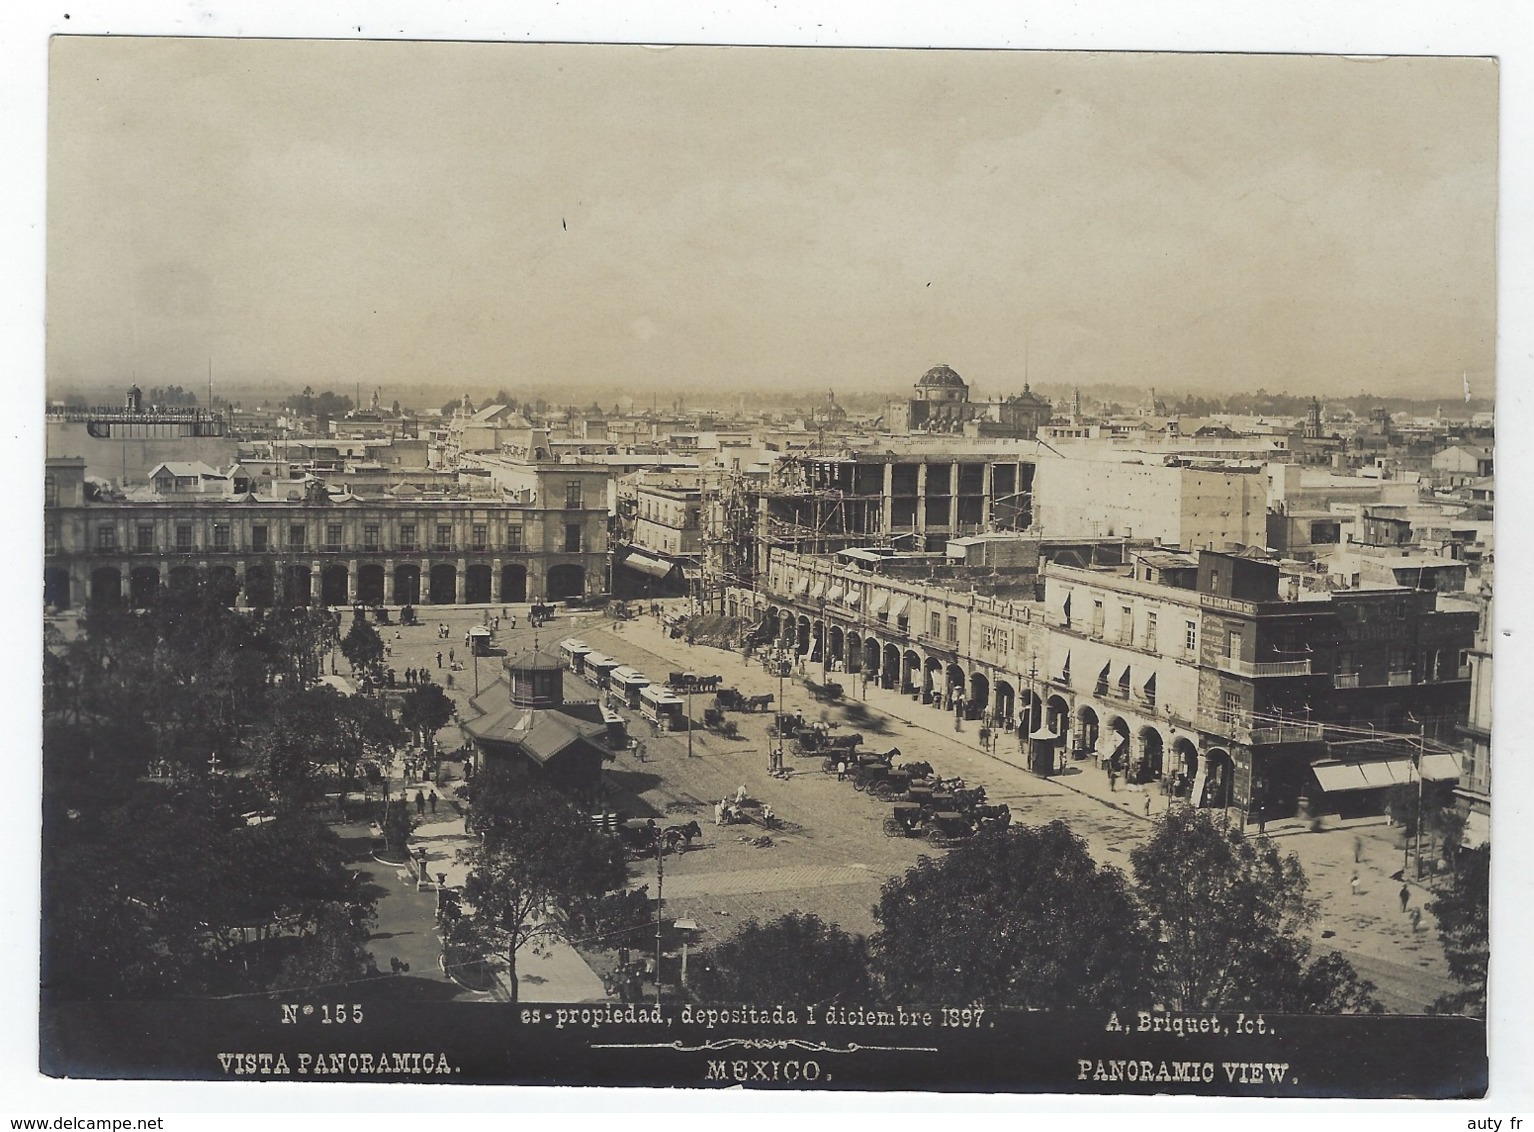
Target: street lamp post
(690, 685)
(660, 881)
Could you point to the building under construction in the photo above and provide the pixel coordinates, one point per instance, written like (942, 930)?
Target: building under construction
(821, 504)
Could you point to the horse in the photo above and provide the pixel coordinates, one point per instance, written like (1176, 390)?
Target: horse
(681, 835)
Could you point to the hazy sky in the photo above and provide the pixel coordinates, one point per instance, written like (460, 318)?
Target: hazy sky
(484, 215)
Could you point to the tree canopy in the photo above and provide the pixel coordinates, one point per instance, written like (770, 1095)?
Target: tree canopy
(1021, 918)
(179, 751)
(426, 709)
(797, 957)
(1231, 916)
(1463, 911)
(537, 864)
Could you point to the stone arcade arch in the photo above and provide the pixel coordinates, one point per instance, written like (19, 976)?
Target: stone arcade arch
(1184, 766)
(565, 580)
(514, 582)
(931, 680)
(56, 587)
(407, 584)
(143, 586)
(260, 586)
(106, 586)
(333, 581)
(1219, 775)
(224, 585)
(182, 579)
(476, 584)
(873, 659)
(838, 645)
(443, 584)
(1057, 714)
(979, 695)
(854, 646)
(298, 588)
(370, 584)
(1148, 756)
(1004, 706)
(1117, 748)
(1030, 711)
(1087, 730)
(910, 672)
(817, 642)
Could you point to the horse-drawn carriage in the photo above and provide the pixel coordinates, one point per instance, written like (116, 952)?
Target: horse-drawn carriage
(785, 724)
(642, 836)
(692, 682)
(827, 693)
(539, 613)
(818, 739)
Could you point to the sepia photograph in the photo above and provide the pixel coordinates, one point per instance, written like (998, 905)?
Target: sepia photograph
(816, 568)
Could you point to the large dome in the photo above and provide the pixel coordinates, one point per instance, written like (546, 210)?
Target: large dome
(941, 376)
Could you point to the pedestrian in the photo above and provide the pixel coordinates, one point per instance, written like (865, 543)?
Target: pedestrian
(740, 800)
(431, 800)
(1405, 896)
(841, 770)
(420, 802)
(1358, 849)
(451, 656)
(1416, 919)
(1113, 780)
(1147, 803)
(639, 750)
(718, 813)
(1353, 884)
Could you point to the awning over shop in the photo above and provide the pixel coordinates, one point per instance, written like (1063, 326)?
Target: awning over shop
(1334, 777)
(1376, 774)
(818, 590)
(836, 594)
(1477, 829)
(897, 605)
(654, 567)
(1440, 765)
(881, 604)
(801, 587)
(853, 599)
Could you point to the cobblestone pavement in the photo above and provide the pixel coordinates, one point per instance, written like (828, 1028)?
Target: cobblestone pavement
(832, 856)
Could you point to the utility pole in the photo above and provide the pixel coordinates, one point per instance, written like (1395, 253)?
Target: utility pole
(1421, 750)
(660, 881)
(691, 684)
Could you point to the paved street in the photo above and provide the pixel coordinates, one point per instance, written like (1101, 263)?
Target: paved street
(832, 856)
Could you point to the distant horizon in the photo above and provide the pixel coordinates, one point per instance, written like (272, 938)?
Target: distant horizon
(468, 214)
(696, 398)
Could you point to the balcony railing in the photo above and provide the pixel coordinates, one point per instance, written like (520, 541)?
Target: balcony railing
(1239, 667)
(1344, 679)
(1238, 725)
(1398, 679)
(1463, 672)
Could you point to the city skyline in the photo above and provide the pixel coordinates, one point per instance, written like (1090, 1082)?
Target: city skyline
(452, 215)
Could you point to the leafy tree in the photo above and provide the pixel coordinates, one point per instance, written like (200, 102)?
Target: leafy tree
(795, 958)
(1022, 918)
(536, 862)
(1231, 916)
(312, 730)
(426, 709)
(362, 647)
(1462, 910)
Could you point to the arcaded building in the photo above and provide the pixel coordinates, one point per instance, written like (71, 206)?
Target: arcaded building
(308, 545)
